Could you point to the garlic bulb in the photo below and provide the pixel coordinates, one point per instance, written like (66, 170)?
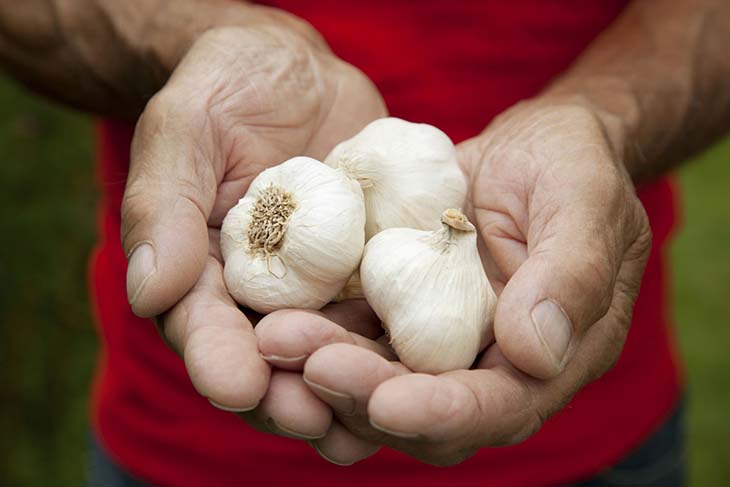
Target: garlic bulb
(431, 293)
(408, 173)
(295, 238)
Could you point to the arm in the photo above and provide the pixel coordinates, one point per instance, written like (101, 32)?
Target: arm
(658, 78)
(110, 57)
(222, 90)
(566, 240)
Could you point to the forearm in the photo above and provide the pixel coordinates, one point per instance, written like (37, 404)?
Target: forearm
(658, 78)
(108, 56)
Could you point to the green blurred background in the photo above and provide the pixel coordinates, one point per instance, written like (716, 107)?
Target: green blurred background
(48, 343)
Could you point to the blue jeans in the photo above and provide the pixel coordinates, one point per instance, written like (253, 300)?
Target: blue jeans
(658, 462)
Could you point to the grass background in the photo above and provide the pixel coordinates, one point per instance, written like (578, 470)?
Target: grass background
(48, 344)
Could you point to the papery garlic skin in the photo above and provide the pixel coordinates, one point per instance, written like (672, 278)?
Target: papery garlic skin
(322, 241)
(352, 290)
(431, 293)
(408, 172)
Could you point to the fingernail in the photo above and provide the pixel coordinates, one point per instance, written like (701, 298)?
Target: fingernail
(232, 409)
(322, 454)
(281, 358)
(141, 267)
(284, 360)
(341, 402)
(276, 428)
(388, 431)
(553, 327)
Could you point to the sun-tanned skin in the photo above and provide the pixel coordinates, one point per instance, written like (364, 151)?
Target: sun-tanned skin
(238, 88)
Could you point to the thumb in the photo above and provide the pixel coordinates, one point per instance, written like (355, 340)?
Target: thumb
(564, 286)
(169, 195)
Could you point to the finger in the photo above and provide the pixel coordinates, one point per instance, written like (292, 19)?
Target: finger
(287, 337)
(343, 448)
(217, 343)
(603, 342)
(170, 192)
(458, 411)
(498, 215)
(345, 376)
(576, 241)
(504, 241)
(430, 418)
(290, 409)
(444, 419)
(496, 404)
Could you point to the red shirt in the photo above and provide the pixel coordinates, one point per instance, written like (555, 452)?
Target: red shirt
(455, 64)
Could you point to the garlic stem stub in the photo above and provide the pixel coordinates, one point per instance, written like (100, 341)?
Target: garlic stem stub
(295, 238)
(431, 293)
(408, 172)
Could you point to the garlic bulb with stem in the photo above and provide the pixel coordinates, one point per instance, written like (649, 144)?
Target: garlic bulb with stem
(295, 238)
(431, 293)
(408, 172)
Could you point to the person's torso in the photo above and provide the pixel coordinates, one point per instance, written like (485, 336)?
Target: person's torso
(454, 64)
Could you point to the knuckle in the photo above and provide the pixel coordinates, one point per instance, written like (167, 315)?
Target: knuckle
(590, 280)
(580, 116)
(535, 413)
(382, 370)
(615, 337)
(642, 242)
(531, 426)
(136, 209)
(317, 332)
(612, 335)
(160, 111)
(604, 363)
(442, 454)
(524, 418)
(444, 408)
(169, 112)
(598, 268)
(157, 106)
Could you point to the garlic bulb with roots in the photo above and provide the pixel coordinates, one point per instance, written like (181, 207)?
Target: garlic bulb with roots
(431, 293)
(295, 238)
(408, 172)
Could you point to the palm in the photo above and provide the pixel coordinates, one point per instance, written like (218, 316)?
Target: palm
(240, 101)
(559, 223)
(545, 178)
(264, 99)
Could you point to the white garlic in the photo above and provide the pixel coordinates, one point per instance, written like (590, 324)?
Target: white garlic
(408, 173)
(431, 293)
(352, 290)
(295, 238)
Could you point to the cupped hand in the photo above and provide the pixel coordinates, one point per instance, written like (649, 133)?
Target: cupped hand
(564, 241)
(242, 99)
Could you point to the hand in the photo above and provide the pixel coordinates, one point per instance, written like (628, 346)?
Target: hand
(289, 407)
(242, 99)
(564, 241)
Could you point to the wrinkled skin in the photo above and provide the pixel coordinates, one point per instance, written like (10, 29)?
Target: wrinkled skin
(559, 221)
(556, 211)
(241, 100)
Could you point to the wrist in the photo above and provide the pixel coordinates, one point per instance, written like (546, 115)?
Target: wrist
(170, 34)
(615, 107)
(130, 49)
